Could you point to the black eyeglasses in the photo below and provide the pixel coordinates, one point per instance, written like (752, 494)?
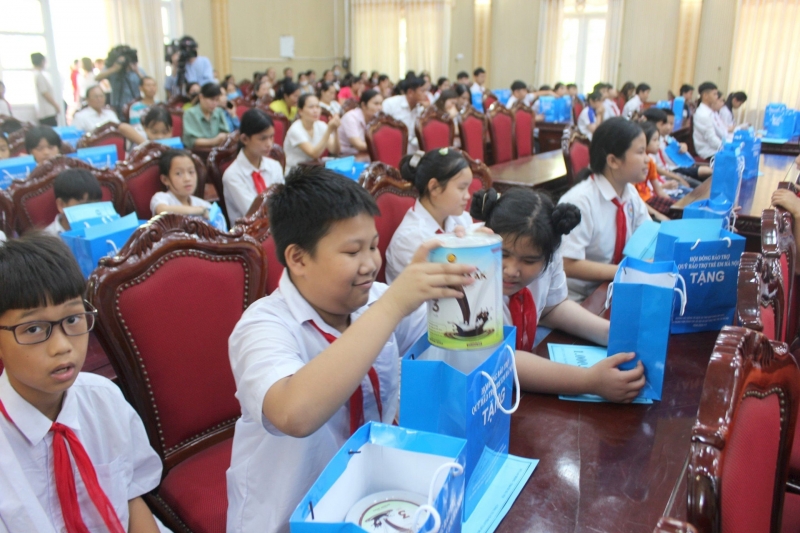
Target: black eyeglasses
(39, 331)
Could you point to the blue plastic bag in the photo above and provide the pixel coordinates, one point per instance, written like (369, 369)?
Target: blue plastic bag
(682, 159)
(98, 156)
(216, 218)
(15, 168)
(451, 392)
(91, 244)
(663, 104)
(678, 104)
(477, 100)
(712, 208)
(173, 142)
(347, 167)
(750, 148)
(645, 295)
(503, 95)
(380, 457)
(547, 107)
(726, 177)
(69, 134)
(708, 259)
(779, 121)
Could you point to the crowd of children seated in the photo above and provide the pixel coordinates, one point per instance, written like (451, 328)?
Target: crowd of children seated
(298, 354)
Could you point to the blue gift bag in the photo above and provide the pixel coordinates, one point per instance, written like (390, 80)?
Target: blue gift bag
(726, 176)
(682, 159)
(717, 208)
(503, 95)
(173, 142)
(464, 394)
(677, 108)
(98, 156)
(779, 121)
(547, 107)
(750, 148)
(708, 259)
(347, 167)
(477, 100)
(91, 244)
(663, 104)
(645, 295)
(15, 168)
(216, 218)
(564, 107)
(92, 214)
(379, 458)
(69, 134)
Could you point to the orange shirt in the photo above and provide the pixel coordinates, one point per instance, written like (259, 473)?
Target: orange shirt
(645, 188)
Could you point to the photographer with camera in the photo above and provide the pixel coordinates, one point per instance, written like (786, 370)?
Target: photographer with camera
(187, 66)
(123, 72)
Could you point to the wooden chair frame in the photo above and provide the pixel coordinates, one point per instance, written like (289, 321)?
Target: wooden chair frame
(6, 214)
(479, 170)
(777, 239)
(380, 178)
(383, 120)
(760, 285)
(499, 109)
(432, 114)
(571, 135)
(104, 132)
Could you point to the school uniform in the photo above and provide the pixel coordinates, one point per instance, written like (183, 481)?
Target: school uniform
(612, 109)
(631, 106)
(706, 140)
(168, 198)
(2, 236)
(241, 183)
(525, 310)
(270, 472)
(397, 107)
(112, 435)
(726, 116)
(88, 119)
(691, 174)
(417, 227)
(588, 116)
(598, 237)
(55, 228)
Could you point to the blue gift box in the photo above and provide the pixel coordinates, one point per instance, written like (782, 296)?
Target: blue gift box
(15, 168)
(98, 156)
(69, 134)
(677, 107)
(347, 166)
(503, 95)
(173, 142)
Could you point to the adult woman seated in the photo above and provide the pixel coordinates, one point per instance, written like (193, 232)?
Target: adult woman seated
(352, 88)
(327, 98)
(309, 137)
(353, 131)
(205, 125)
(286, 99)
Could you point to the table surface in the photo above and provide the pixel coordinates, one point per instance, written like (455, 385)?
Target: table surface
(607, 467)
(789, 148)
(755, 194)
(531, 171)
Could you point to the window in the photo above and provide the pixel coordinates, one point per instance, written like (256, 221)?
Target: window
(583, 34)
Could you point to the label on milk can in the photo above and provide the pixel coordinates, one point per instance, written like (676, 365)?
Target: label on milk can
(476, 320)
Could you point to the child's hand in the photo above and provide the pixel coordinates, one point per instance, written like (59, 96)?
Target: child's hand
(684, 148)
(614, 384)
(787, 200)
(670, 184)
(422, 281)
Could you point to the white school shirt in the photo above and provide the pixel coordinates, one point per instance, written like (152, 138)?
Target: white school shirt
(238, 187)
(44, 109)
(417, 227)
(88, 119)
(296, 136)
(168, 198)
(663, 159)
(398, 108)
(110, 431)
(612, 109)
(54, 228)
(5, 109)
(706, 140)
(595, 237)
(584, 122)
(270, 472)
(727, 116)
(631, 106)
(548, 290)
(720, 127)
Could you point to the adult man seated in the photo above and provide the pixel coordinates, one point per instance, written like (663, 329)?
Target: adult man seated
(408, 106)
(96, 114)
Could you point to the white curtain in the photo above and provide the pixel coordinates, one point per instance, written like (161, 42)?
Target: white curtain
(428, 30)
(765, 62)
(613, 41)
(551, 19)
(376, 36)
(137, 23)
(686, 45)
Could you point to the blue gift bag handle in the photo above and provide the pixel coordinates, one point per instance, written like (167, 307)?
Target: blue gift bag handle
(728, 239)
(516, 384)
(681, 292)
(431, 510)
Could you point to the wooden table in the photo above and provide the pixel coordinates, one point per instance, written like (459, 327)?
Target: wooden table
(550, 134)
(791, 148)
(606, 467)
(754, 196)
(546, 170)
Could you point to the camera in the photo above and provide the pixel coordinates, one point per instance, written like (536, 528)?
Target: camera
(186, 48)
(129, 55)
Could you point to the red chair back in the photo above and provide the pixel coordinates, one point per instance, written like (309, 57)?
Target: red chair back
(489, 100)
(473, 133)
(524, 121)
(256, 225)
(743, 433)
(274, 267)
(577, 109)
(578, 158)
(760, 303)
(246, 88)
(218, 161)
(106, 134)
(34, 200)
(434, 130)
(387, 140)
(143, 178)
(279, 121)
(177, 122)
(501, 130)
(242, 105)
(779, 249)
(394, 198)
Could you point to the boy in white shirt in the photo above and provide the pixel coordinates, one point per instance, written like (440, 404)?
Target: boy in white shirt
(592, 115)
(72, 187)
(637, 102)
(62, 432)
(253, 172)
(610, 100)
(479, 77)
(408, 107)
(704, 133)
(299, 354)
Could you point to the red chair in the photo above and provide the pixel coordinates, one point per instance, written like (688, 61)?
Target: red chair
(577, 109)
(177, 102)
(348, 105)
(779, 251)
(524, 124)
(256, 225)
(279, 120)
(434, 129)
(34, 200)
(177, 122)
(575, 148)
(741, 440)
(6, 214)
(501, 131)
(387, 140)
(489, 99)
(104, 135)
(167, 305)
(760, 300)
(481, 176)
(143, 178)
(242, 106)
(324, 115)
(473, 133)
(394, 197)
(246, 88)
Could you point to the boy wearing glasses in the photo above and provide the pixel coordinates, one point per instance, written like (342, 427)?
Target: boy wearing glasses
(74, 456)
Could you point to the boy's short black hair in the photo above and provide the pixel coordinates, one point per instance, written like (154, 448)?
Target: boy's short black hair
(642, 87)
(382, 78)
(571, 86)
(668, 112)
(707, 86)
(518, 85)
(38, 270)
(77, 184)
(37, 59)
(545, 88)
(685, 88)
(412, 84)
(210, 90)
(655, 115)
(35, 135)
(461, 75)
(478, 71)
(557, 86)
(302, 210)
(165, 163)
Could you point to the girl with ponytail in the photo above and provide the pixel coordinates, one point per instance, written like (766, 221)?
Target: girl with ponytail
(535, 291)
(442, 179)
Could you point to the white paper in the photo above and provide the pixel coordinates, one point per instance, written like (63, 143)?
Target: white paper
(287, 45)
